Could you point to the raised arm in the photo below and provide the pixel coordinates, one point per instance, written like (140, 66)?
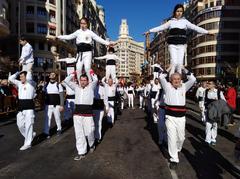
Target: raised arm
(101, 58)
(99, 39)
(67, 60)
(30, 79)
(190, 82)
(160, 28)
(13, 80)
(163, 81)
(196, 28)
(104, 81)
(68, 37)
(93, 81)
(68, 82)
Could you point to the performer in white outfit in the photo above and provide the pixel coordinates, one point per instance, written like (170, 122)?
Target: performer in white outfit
(131, 94)
(54, 104)
(110, 89)
(83, 115)
(25, 116)
(177, 37)
(121, 93)
(175, 100)
(200, 97)
(157, 69)
(100, 101)
(26, 60)
(84, 39)
(111, 61)
(140, 90)
(70, 94)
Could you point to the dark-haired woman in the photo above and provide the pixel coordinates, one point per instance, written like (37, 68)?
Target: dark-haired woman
(111, 60)
(177, 28)
(84, 39)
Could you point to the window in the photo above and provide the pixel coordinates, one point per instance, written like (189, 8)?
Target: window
(41, 12)
(219, 3)
(52, 16)
(41, 46)
(52, 2)
(38, 61)
(30, 10)
(42, 29)
(52, 31)
(211, 4)
(30, 27)
(206, 6)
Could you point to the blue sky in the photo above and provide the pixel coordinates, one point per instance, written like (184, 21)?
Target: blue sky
(140, 14)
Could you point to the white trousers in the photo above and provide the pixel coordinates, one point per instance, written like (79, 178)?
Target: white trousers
(176, 135)
(130, 100)
(153, 100)
(69, 109)
(25, 121)
(49, 110)
(177, 53)
(70, 70)
(141, 101)
(122, 103)
(111, 114)
(84, 58)
(211, 132)
(84, 128)
(111, 71)
(155, 75)
(27, 67)
(98, 116)
(202, 107)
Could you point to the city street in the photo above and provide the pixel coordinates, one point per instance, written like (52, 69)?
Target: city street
(127, 151)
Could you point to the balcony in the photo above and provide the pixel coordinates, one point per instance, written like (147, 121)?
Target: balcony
(4, 26)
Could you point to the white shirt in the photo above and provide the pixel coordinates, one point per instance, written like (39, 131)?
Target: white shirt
(69, 90)
(27, 90)
(176, 96)
(53, 88)
(27, 54)
(130, 88)
(212, 94)
(147, 89)
(84, 36)
(99, 93)
(141, 89)
(156, 88)
(200, 92)
(179, 23)
(82, 95)
(121, 90)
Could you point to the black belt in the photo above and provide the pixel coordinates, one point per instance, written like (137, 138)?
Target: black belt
(25, 104)
(156, 69)
(98, 104)
(52, 99)
(70, 96)
(176, 111)
(130, 91)
(84, 47)
(71, 64)
(83, 109)
(177, 36)
(153, 94)
(111, 62)
(111, 98)
(200, 98)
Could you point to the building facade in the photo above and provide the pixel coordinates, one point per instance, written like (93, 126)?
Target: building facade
(216, 56)
(130, 51)
(4, 24)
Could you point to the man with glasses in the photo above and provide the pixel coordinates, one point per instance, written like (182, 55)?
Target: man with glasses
(211, 94)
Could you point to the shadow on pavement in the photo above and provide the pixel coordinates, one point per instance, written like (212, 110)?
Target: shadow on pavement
(207, 162)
